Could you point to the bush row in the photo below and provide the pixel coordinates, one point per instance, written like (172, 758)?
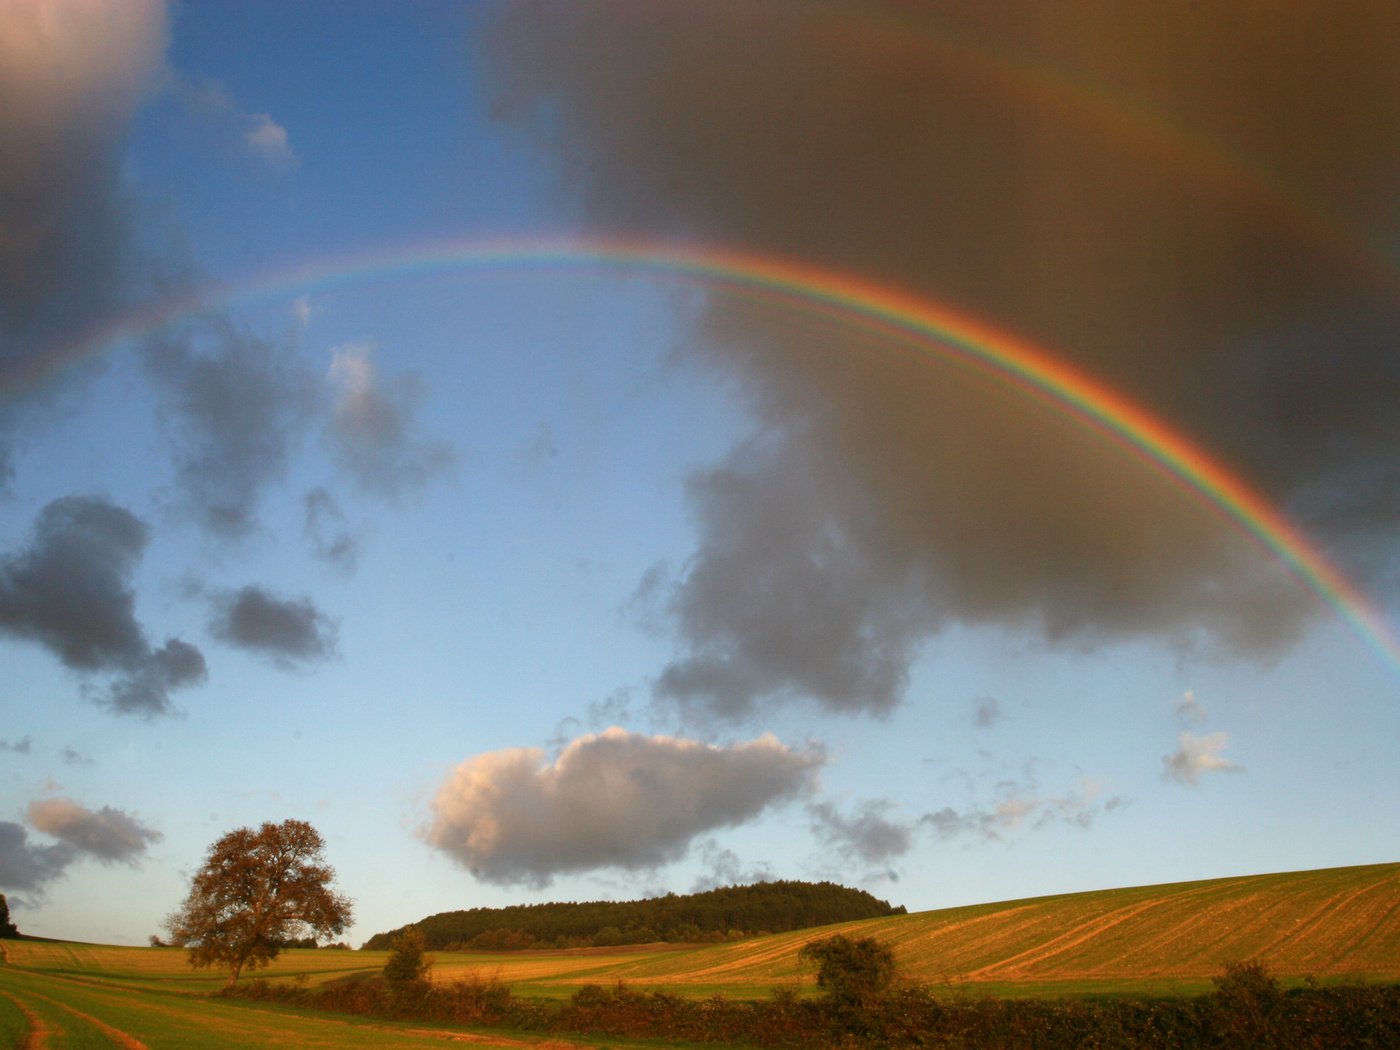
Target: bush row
(1247, 1010)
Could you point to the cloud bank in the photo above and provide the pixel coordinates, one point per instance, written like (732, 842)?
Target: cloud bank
(610, 800)
(1011, 165)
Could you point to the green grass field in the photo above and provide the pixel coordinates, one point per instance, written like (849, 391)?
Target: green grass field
(1333, 924)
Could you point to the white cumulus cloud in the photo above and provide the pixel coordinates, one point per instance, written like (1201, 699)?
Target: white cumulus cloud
(613, 799)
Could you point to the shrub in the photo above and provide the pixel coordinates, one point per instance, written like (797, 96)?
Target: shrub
(1246, 996)
(407, 962)
(855, 973)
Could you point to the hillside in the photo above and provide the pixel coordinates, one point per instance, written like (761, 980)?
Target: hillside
(763, 907)
(1334, 922)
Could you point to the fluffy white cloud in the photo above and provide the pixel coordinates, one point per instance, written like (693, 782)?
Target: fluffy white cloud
(612, 799)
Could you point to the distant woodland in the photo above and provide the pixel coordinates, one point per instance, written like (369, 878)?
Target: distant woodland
(715, 915)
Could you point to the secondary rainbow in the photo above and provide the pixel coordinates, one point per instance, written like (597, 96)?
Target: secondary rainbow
(934, 327)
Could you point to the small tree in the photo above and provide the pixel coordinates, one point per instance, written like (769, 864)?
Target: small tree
(256, 890)
(855, 972)
(1246, 995)
(7, 928)
(406, 962)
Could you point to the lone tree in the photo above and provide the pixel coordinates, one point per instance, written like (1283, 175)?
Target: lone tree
(256, 891)
(855, 972)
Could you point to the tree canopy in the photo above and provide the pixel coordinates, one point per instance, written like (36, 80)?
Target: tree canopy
(770, 907)
(256, 891)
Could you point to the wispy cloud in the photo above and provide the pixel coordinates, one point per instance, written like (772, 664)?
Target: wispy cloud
(373, 430)
(256, 135)
(986, 712)
(268, 139)
(1189, 710)
(1197, 755)
(1022, 806)
(724, 867)
(234, 405)
(869, 833)
(328, 531)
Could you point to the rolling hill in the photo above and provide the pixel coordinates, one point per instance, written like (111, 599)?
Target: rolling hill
(1329, 923)
(1332, 924)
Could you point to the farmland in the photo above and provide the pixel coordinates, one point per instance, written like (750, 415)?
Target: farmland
(1340, 924)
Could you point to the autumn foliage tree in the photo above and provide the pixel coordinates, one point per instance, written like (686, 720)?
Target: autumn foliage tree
(256, 891)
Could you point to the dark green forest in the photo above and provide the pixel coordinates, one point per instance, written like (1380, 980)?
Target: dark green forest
(719, 914)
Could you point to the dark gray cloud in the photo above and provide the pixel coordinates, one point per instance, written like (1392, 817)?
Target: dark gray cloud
(778, 600)
(1176, 201)
(27, 866)
(106, 835)
(234, 405)
(22, 746)
(69, 592)
(71, 76)
(610, 800)
(373, 431)
(290, 631)
(868, 833)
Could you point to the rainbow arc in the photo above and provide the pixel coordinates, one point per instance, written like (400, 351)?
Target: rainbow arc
(935, 328)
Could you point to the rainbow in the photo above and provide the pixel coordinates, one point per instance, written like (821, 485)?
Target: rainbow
(934, 327)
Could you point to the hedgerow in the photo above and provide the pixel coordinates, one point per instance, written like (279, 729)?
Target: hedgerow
(1247, 1009)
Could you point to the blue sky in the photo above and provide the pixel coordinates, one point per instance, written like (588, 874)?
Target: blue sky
(536, 582)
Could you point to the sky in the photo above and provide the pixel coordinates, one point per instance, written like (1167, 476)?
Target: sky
(588, 451)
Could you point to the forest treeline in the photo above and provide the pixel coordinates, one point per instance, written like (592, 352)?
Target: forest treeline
(714, 915)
